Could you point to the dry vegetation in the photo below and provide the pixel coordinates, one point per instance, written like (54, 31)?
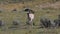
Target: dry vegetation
(41, 7)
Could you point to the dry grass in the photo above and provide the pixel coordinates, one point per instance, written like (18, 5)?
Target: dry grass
(7, 16)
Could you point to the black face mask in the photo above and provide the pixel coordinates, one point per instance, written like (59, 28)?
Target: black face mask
(27, 10)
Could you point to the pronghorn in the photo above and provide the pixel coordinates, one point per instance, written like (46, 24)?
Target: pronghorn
(30, 15)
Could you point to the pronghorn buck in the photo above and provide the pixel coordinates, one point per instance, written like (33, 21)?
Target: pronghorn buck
(30, 16)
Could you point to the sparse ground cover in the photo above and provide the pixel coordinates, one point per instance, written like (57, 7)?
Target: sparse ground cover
(7, 15)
